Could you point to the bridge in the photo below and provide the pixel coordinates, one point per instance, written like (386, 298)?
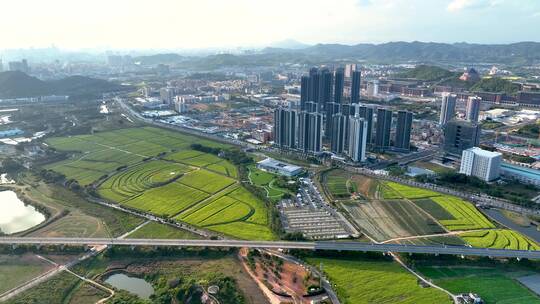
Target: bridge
(326, 245)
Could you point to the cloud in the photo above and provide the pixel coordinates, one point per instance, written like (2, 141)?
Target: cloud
(458, 5)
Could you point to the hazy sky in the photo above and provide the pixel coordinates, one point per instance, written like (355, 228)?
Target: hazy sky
(228, 23)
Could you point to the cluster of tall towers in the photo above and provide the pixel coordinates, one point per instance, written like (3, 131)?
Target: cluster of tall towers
(459, 135)
(324, 114)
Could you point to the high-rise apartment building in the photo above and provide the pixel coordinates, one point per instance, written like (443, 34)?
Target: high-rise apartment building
(355, 87)
(473, 108)
(304, 92)
(448, 108)
(382, 132)
(350, 68)
(331, 109)
(459, 136)
(285, 128)
(337, 138)
(325, 87)
(483, 164)
(366, 113)
(339, 82)
(167, 95)
(403, 130)
(357, 139)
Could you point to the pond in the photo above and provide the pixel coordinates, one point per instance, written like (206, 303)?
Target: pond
(136, 286)
(16, 216)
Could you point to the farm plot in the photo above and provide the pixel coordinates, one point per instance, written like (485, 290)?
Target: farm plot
(363, 280)
(137, 179)
(499, 238)
(235, 212)
(365, 186)
(189, 185)
(225, 168)
(466, 216)
(167, 200)
(384, 220)
(492, 284)
(206, 181)
(397, 190)
(102, 153)
(338, 184)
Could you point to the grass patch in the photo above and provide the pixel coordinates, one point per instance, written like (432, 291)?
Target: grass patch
(398, 191)
(155, 230)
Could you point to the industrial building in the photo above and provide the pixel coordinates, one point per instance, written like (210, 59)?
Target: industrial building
(274, 166)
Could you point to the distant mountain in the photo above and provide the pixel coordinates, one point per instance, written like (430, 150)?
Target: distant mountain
(159, 58)
(289, 44)
(522, 52)
(17, 84)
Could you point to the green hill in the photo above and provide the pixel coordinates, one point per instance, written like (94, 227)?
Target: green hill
(495, 85)
(15, 84)
(427, 73)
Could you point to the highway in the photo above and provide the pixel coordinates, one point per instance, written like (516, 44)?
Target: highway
(339, 246)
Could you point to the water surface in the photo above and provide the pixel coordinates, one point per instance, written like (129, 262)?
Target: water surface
(15, 216)
(136, 286)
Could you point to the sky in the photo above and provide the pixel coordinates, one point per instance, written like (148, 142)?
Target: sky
(192, 24)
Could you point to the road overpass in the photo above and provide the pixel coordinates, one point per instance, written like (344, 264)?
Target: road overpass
(327, 245)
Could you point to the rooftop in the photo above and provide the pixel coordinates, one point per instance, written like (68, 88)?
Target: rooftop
(484, 153)
(270, 162)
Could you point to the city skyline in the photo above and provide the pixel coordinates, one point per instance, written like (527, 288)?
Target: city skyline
(166, 24)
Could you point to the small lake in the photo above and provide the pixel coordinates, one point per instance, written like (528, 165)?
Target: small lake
(15, 215)
(136, 286)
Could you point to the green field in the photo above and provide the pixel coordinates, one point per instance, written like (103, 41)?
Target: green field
(140, 178)
(359, 280)
(452, 212)
(15, 270)
(338, 184)
(206, 181)
(499, 238)
(466, 216)
(155, 230)
(493, 285)
(235, 211)
(156, 171)
(395, 190)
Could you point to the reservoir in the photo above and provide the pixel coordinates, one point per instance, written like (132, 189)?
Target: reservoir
(16, 216)
(136, 286)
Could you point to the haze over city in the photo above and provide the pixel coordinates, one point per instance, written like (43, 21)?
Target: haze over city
(190, 24)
